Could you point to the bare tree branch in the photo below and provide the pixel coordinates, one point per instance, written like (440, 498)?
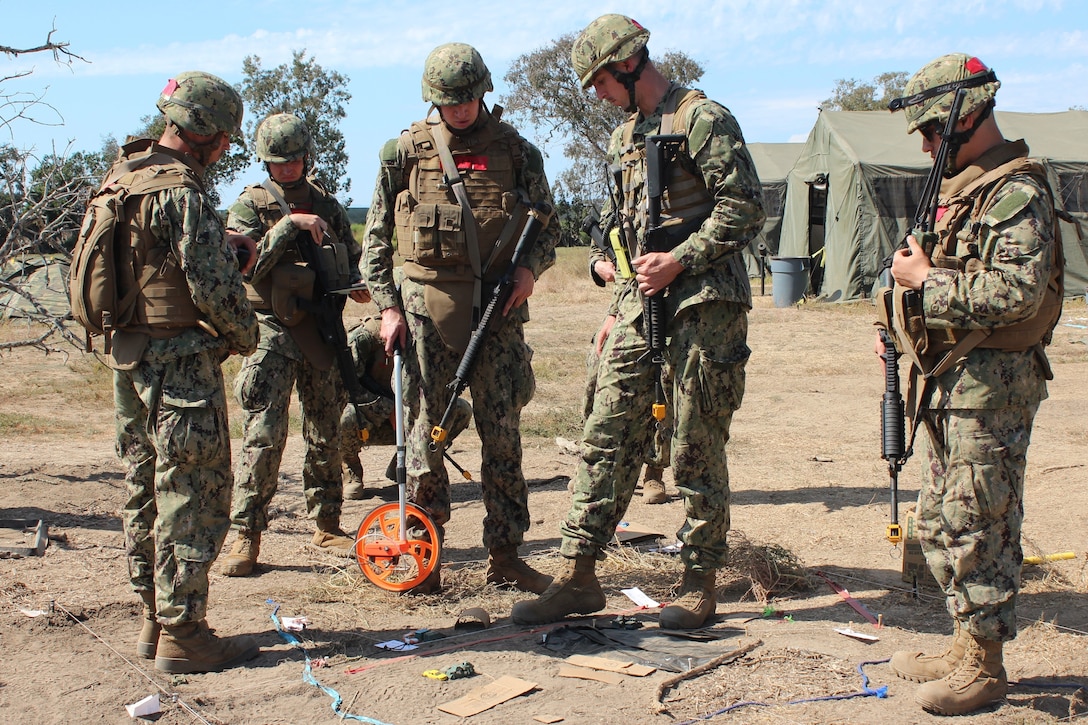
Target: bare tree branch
(60, 51)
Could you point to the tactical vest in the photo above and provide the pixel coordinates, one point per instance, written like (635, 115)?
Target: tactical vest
(685, 202)
(306, 198)
(428, 217)
(958, 231)
(164, 306)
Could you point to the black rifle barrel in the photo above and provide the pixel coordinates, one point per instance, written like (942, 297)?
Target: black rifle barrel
(534, 224)
(660, 150)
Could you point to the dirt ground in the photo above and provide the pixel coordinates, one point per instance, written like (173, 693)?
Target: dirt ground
(806, 477)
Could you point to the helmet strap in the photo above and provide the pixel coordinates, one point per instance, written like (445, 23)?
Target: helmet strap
(199, 150)
(959, 138)
(628, 80)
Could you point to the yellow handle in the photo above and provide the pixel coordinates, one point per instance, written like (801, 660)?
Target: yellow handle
(1060, 556)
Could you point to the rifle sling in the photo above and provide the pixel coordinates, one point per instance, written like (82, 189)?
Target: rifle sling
(468, 221)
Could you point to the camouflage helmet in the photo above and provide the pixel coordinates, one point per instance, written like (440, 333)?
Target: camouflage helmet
(946, 69)
(454, 74)
(610, 38)
(282, 138)
(201, 103)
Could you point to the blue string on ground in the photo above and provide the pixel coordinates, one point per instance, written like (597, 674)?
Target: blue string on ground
(308, 673)
(866, 691)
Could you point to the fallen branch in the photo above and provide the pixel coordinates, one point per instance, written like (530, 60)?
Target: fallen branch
(718, 661)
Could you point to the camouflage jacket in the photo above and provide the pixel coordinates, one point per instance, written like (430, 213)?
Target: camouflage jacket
(186, 220)
(273, 241)
(716, 147)
(1015, 246)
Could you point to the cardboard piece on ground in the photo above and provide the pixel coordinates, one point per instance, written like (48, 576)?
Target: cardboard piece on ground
(583, 673)
(486, 697)
(628, 532)
(547, 719)
(603, 663)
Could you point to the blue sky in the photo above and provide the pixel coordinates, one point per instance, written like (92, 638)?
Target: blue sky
(771, 63)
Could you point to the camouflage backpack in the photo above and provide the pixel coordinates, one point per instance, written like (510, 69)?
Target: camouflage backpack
(93, 278)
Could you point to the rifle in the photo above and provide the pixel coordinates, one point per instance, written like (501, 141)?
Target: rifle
(660, 150)
(893, 413)
(534, 223)
(328, 311)
(892, 430)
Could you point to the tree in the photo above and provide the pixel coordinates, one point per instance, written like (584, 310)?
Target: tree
(545, 94)
(854, 95)
(315, 95)
(40, 198)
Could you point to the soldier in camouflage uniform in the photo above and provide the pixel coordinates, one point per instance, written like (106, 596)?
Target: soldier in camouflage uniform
(712, 203)
(375, 371)
(988, 299)
(170, 404)
(448, 243)
(656, 459)
(286, 210)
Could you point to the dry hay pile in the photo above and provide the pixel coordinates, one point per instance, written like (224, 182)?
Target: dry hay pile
(765, 677)
(766, 571)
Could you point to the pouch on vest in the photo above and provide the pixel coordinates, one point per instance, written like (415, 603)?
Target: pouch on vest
(438, 237)
(127, 349)
(334, 257)
(447, 297)
(289, 283)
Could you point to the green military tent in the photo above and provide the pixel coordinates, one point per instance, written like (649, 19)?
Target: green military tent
(41, 277)
(773, 162)
(852, 195)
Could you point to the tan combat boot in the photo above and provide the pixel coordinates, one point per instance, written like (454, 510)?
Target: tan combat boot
(192, 647)
(653, 486)
(331, 537)
(505, 567)
(696, 604)
(353, 478)
(977, 682)
(575, 591)
(920, 667)
(149, 633)
(243, 555)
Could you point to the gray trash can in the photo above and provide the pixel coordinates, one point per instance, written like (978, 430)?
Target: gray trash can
(789, 277)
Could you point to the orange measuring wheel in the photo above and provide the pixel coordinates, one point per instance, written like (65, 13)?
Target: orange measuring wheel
(391, 561)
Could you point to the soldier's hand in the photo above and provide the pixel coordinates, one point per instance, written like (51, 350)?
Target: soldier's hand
(605, 270)
(524, 282)
(911, 266)
(362, 296)
(311, 223)
(245, 250)
(394, 330)
(655, 271)
(602, 334)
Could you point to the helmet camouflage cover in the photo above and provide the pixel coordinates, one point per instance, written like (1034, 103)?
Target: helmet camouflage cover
(454, 74)
(947, 69)
(282, 138)
(610, 38)
(201, 103)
